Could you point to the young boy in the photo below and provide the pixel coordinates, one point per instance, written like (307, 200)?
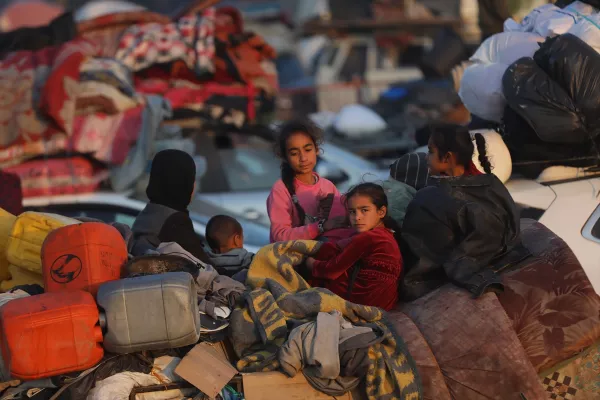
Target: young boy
(225, 237)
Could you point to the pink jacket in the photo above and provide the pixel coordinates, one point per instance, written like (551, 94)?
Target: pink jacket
(285, 222)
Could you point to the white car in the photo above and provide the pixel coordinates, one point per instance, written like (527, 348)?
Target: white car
(570, 207)
(242, 168)
(114, 207)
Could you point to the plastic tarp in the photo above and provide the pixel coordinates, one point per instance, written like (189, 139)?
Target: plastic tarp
(507, 47)
(543, 103)
(481, 90)
(587, 29)
(575, 66)
(550, 20)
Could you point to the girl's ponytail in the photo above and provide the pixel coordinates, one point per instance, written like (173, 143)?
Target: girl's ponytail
(481, 149)
(287, 177)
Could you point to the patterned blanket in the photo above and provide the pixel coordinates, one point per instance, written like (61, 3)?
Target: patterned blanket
(39, 90)
(280, 297)
(189, 40)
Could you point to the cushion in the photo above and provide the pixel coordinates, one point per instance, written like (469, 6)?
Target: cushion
(475, 345)
(434, 386)
(550, 300)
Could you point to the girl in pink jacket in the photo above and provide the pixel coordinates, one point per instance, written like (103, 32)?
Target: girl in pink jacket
(302, 205)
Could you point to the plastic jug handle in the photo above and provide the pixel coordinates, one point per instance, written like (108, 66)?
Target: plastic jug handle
(98, 334)
(102, 320)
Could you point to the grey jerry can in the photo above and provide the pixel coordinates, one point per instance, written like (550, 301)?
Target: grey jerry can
(151, 312)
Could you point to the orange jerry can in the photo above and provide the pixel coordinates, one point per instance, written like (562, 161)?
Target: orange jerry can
(82, 257)
(50, 334)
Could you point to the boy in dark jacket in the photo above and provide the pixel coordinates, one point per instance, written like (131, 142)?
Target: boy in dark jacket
(166, 217)
(225, 237)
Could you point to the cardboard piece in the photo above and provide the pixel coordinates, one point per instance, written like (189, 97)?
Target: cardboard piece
(206, 368)
(276, 386)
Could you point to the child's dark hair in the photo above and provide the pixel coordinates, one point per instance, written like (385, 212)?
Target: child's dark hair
(287, 173)
(457, 139)
(378, 197)
(220, 228)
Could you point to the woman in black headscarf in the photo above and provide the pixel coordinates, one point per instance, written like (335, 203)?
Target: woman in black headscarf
(166, 218)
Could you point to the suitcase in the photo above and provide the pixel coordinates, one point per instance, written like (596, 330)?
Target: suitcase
(149, 313)
(7, 221)
(50, 334)
(27, 236)
(82, 257)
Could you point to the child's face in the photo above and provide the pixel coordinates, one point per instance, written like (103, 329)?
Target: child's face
(301, 153)
(364, 215)
(437, 165)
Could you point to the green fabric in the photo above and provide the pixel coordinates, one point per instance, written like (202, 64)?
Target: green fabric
(399, 197)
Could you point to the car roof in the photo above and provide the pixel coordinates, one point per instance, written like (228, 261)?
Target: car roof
(114, 199)
(109, 198)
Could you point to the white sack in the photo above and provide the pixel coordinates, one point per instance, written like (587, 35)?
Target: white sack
(356, 121)
(549, 20)
(588, 30)
(481, 91)
(507, 47)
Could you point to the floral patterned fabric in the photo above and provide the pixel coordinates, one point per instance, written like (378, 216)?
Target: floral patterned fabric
(551, 302)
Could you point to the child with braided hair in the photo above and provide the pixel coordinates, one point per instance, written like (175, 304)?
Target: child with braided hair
(462, 224)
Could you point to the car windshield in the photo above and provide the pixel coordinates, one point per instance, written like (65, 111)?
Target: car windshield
(249, 169)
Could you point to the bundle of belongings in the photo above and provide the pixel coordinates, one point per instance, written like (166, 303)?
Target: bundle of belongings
(113, 325)
(90, 102)
(536, 80)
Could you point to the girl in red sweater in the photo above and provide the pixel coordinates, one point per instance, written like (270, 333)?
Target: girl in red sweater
(364, 269)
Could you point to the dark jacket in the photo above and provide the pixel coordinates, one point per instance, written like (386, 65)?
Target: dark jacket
(158, 224)
(454, 231)
(232, 262)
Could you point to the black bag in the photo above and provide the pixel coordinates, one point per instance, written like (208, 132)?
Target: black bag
(543, 103)
(530, 155)
(575, 66)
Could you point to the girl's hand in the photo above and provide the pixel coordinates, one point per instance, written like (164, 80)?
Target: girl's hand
(335, 223)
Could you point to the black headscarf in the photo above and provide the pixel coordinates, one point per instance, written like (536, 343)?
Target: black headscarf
(172, 179)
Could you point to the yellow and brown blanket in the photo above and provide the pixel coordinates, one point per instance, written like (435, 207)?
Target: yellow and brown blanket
(280, 297)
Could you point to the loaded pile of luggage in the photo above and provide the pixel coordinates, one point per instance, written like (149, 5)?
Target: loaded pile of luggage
(538, 81)
(90, 99)
(86, 318)
(80, 318)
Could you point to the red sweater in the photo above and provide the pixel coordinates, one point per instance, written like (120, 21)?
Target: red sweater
(377, 282)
